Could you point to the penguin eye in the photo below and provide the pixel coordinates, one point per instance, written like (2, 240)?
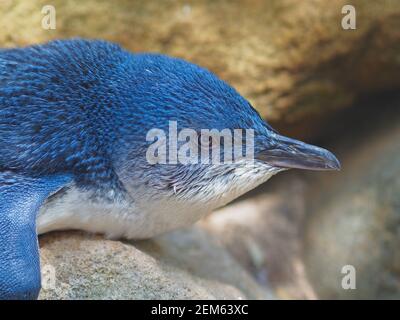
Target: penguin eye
(206, 141)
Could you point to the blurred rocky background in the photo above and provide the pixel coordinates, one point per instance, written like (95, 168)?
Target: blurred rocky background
(309, 78)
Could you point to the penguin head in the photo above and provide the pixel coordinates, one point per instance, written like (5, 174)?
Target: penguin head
(192, 121)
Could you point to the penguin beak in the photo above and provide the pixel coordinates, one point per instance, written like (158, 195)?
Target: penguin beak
(284, 152)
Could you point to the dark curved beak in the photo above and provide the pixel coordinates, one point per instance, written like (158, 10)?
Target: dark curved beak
(284, 152)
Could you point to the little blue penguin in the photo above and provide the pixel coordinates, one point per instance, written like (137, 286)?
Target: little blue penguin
(74, 119)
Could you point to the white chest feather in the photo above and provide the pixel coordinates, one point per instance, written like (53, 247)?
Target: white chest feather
(75, 210)
(150, 213)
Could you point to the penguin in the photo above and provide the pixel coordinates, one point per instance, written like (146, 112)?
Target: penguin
(75, 118)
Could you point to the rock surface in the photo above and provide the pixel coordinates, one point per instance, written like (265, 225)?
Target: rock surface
(356, 220)
(187, 264)
(291, 58)
(264, 233)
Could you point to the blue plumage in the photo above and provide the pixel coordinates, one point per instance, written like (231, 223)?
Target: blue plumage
(57, 109)
(75, 113)
(69, 106)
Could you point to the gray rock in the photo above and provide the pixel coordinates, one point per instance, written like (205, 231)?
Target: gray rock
(264, 233)
(186, 264)
(357, 222)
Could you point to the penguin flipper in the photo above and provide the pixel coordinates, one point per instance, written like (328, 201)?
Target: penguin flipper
(20, 200)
